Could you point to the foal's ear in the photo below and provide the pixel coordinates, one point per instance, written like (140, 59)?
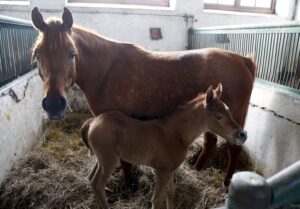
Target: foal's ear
(67, 19)
(209, 95)
(219, 90)
(38, 20)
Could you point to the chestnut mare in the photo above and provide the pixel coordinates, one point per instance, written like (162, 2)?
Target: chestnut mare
(113, 135)
(140, 83)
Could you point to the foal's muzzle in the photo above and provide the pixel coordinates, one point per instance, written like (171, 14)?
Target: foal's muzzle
(241, 137)
(55, 107)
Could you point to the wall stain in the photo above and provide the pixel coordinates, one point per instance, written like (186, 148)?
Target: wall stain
(8, 118)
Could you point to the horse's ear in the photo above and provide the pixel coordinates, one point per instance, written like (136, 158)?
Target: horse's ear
(67, 19)
(38, 20)
(209, 95)
(218, 90)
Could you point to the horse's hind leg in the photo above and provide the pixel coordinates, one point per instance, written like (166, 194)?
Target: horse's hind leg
(160, 188)
(92, 173)
(170, 192)
(210, 141)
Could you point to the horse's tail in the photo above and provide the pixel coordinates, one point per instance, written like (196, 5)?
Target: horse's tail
(249, 61)
(84, 133)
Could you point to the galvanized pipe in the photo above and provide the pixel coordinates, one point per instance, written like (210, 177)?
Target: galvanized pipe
(16, 39)
(249, 190)
(275, 48)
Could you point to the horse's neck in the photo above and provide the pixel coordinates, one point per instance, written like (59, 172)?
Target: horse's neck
(189, 122)
(95, 56)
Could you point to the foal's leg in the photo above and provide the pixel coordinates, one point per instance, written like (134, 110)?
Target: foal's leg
(160, 188)
(101, 176)
(170, 192)
(210, 141)
(92, 173)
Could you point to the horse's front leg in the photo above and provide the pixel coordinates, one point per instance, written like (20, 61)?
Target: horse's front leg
(210, 141)
(234, 153)
(162, 179)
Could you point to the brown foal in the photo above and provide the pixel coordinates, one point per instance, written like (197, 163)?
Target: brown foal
(161, 143)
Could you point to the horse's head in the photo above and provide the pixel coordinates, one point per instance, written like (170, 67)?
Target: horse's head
(56, 55)
(220, 120)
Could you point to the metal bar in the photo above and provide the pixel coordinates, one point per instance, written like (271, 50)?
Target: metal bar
(14, 21)
(285, 186)
(16, 39)
(297, 81)
(291, 67)
(249, 190)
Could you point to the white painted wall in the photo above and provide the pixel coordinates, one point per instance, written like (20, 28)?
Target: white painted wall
(132, 24)
(273, 143)
(20, 122)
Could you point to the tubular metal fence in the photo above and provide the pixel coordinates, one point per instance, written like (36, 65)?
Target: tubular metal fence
(276, 49)
(16, 39)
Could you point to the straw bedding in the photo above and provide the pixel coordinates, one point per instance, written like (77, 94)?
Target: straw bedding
(54, 174)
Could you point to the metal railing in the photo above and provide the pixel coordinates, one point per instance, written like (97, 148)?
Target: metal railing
(16, 39)
(249, 190)
(276, 49)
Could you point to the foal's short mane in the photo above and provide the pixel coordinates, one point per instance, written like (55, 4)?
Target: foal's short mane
(190, 105)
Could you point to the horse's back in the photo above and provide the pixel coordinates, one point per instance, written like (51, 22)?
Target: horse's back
(147, 84)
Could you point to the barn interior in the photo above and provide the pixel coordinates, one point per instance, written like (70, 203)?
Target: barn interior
(44, 164)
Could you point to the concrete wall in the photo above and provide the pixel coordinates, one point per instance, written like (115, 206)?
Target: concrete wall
(132, 24)
(21, 122)
(273, 142)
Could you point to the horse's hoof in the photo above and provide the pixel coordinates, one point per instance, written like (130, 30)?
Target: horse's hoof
(226, 182)
(197, 167)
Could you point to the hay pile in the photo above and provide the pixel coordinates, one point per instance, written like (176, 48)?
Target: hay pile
(54, 174)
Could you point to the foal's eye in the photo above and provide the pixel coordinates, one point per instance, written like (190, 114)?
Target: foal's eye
(219, 117)
(36, 56)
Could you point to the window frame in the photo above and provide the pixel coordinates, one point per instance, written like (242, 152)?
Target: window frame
(238, 8)
(157, 3)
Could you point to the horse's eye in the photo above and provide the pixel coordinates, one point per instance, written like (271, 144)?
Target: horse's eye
(72, 54)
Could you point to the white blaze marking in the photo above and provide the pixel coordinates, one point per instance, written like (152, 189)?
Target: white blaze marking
(226, 107)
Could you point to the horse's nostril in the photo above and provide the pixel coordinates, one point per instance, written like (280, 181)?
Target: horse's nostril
(54, 104)
(242, 135)
(45, 104)
(62, 102)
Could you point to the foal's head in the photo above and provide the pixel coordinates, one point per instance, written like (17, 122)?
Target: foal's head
(56, 55)
(219, 119)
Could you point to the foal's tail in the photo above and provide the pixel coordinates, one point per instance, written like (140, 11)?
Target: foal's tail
(84, 133)
(249, 61)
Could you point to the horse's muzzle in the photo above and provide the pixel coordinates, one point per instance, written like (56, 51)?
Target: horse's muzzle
(55, 107)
